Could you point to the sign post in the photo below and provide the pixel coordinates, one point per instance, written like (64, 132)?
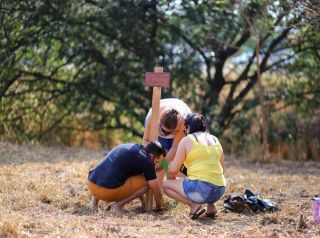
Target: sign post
(156, 80)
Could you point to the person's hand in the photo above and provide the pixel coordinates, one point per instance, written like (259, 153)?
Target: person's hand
(158, 167)
(171, 176)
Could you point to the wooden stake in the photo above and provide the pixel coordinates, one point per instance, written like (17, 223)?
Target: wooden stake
(156, 96)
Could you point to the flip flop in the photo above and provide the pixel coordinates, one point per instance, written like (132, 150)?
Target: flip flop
(197, 214)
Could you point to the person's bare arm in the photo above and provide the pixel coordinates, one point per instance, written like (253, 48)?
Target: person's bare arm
(146, 135)
(177, 138)
(155, 187)
(179, 158)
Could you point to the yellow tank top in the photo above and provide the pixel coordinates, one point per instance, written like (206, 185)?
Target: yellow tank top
(203, 163)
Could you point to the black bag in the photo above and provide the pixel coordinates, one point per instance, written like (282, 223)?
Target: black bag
(250, 200)
(234, 203)
(257, 204)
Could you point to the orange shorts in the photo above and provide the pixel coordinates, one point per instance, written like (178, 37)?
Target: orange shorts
(131, 185)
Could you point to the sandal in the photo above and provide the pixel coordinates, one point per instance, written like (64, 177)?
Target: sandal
(211, 215)
(197, 214)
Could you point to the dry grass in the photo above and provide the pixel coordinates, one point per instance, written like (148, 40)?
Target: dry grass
(43, 194)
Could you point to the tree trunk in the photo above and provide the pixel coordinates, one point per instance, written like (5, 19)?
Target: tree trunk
(265, 145)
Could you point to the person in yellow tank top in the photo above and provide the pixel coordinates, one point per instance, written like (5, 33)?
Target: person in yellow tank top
(202, 155)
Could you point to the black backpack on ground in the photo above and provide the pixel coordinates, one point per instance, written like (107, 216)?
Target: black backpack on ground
(250, 200)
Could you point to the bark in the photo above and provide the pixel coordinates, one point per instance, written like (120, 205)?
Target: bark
(265, 128)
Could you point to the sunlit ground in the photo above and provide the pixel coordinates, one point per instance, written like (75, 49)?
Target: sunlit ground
(43, 194)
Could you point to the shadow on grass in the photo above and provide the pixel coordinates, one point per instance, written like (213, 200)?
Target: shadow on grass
(83, 211)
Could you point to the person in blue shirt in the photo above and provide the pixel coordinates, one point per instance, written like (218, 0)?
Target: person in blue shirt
(126, 173)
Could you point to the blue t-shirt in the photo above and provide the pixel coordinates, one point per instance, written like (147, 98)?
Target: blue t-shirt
(120, 163)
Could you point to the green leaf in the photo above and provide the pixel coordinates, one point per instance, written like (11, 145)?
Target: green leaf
(164, 164)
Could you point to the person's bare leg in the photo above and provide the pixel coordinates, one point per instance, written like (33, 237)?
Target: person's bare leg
(160, 177)
(94, 203)
(176, 196)
(117, 207)
(161, 173)
(173, 188)
(211, 209)
(195, 207)
(143, 201)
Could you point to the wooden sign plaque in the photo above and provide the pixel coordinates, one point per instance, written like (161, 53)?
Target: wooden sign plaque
(153, 79)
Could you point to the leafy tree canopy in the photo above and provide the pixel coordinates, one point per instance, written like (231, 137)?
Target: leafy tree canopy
(74, 65)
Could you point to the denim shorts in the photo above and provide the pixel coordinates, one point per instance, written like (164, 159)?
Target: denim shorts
(202, 192)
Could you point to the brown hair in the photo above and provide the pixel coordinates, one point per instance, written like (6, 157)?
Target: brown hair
(170, 119)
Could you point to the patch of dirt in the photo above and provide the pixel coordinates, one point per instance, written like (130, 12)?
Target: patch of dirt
(43, 194)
